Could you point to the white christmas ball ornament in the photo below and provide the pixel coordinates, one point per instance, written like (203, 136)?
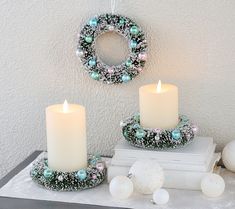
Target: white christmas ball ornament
(212, 185)
(121, 187)
(147, 176)
(160, 197)
(228, 156)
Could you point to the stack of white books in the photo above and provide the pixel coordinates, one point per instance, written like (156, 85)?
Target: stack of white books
(183, 167)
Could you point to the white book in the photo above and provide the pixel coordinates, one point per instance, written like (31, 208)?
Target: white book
(174, 179)
(187, 166)
(197, 152)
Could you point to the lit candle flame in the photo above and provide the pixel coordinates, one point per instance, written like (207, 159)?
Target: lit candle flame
(159, 86)
(65, 106)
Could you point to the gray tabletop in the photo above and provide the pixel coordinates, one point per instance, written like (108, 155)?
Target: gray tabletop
(18, 203)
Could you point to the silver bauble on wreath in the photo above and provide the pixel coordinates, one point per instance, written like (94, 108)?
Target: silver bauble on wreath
(147, 176)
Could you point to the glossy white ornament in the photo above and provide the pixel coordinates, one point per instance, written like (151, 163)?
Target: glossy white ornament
(212, 185)
(228, 156)
(121, 187)
(147, 176)
(160, 197)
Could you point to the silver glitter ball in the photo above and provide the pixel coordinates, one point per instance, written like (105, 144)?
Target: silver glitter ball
(79, 52)
(194, 128)
(188, 136)
(111, 28)
(100, 166)
(122, 124)
(157, 138)
(60, 178)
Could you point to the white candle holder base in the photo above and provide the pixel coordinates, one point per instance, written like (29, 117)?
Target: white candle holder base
(82, 179)
(158, 139)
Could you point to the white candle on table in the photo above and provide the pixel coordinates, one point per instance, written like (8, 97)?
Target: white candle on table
(158, 106)
(66, 137)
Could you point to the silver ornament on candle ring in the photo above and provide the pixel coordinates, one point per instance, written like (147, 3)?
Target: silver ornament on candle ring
(97, 69)
(158, 139)
(85, 178)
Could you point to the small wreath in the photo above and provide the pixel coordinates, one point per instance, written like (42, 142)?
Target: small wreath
(159, 139)
(100, 71)
(82, 179)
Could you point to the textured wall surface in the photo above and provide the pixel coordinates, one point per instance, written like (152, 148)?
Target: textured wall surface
(191, 44)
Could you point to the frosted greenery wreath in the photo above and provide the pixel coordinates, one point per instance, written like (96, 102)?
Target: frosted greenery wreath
(158, 139)
(97, 69)
(82, 179)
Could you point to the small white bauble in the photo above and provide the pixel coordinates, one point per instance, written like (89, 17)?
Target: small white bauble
(121, 187)
(212, 185)
(228, 156)
(160, 197)
(147, 176)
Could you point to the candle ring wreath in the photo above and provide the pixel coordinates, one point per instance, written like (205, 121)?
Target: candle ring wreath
(82, 179)
(97, 69)
(159, 139)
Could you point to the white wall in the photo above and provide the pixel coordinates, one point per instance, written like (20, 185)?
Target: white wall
(191, 44)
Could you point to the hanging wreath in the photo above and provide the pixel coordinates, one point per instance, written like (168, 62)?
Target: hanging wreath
(99, 70)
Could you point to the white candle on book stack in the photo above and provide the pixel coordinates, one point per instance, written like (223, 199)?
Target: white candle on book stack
(66, 137)
(158, 106)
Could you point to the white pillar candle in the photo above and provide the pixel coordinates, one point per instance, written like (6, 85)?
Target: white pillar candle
(66, 137)
(158, 106)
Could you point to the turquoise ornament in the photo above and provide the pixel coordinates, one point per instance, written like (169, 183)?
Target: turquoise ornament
(93, 22)
(133, 44)
(93, 162)
(92, 62)
(182, 124)
(134, 30)
(128, 63)
(47, 173)
(125, 133)
(176, 134)
(137, 117)
(126, 78)
(95, 76)
(81, 174)
(121, 21)
(136, 126)
(33, 173)
(97, 157)
(88, 39)
(140, 133)
(184, 118)
(46, 162)
(94, 159)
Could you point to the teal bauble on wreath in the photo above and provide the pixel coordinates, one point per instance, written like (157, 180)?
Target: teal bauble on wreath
(81, 174)
(140, 133)
(176, 134)
(126, 78)
(47, 173)
(97, 69)
(95, 75)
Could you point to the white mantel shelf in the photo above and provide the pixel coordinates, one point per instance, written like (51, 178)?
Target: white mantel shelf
(21, 186)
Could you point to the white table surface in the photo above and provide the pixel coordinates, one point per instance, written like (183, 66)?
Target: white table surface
(21, 186)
